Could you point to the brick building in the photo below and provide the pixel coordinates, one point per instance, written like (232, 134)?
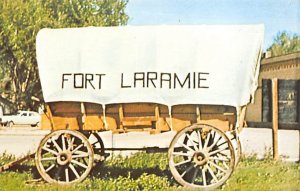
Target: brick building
(287, 69)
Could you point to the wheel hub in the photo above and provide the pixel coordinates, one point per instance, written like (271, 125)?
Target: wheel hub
(200, 158)
(64, 158)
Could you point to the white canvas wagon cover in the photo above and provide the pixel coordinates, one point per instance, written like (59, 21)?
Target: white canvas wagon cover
(170, 65)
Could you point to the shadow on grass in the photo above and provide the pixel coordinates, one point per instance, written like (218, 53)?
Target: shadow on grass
(101, 171)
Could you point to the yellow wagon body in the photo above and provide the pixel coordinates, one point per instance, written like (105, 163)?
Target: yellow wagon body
(121, 118)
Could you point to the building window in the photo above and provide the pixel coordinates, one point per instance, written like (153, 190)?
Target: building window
(288, 101)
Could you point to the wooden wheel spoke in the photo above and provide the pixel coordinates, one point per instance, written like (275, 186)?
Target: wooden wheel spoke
(225, 155)
(63, 141)
(185, 146)
(192, 141)
(219, 159)
(217, 166)
(48, 158)
(200, 140)
(70, 143)
(222, 143)
(204, 176)
(49, 150)
(206, 140)
(67, 175)
(212, 173)
(80, 156)
(214, 143)
(79, 164)
(217, 151)
(77, 148)
(226, 166)
(50, 167)
(215, 133)
(182, 162)
(74, 170)
(95, 141)
(56, 145)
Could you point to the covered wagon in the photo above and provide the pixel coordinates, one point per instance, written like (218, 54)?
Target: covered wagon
(195, 80)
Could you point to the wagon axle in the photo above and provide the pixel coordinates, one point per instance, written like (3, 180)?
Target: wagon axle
(200, 158)
(64, 158)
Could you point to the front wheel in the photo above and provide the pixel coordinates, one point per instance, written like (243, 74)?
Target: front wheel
(201, 156)
(64, 157)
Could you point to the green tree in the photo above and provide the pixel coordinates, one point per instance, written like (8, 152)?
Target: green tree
(20, 21)
(285, 43)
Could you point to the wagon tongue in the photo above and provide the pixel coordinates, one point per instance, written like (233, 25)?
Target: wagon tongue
(16, 162)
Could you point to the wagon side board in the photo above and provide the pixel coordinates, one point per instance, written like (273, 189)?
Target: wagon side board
(120, 118)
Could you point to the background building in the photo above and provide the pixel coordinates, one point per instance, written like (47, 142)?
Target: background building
(287, 69)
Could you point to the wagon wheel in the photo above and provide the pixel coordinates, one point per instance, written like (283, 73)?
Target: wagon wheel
(64, 157)
(206, 161)
(98, 147)
(236, 143)
(238, 151)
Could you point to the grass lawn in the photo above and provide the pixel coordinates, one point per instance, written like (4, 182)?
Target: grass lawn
(150, 172)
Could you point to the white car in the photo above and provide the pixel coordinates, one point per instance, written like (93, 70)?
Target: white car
(21, 118)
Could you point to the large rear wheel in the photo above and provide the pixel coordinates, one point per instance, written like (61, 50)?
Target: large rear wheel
(205, 161)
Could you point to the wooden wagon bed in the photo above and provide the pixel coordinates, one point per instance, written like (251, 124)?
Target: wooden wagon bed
(121, 118)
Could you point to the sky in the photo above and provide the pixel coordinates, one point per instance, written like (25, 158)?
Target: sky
(276, 15)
